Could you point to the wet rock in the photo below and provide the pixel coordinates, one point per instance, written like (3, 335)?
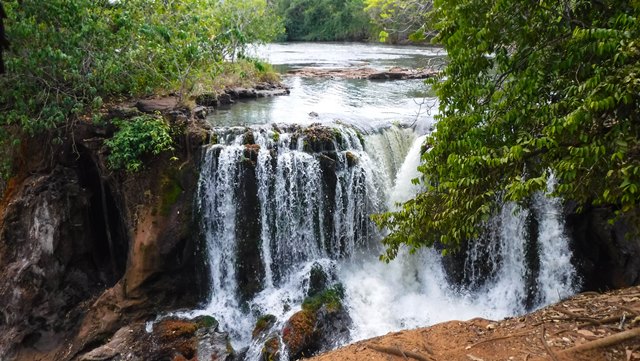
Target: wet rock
(271, 349)
(250, 268)
(332, 327)
(604, 254)
(242, 93)
(169, 339)
(115, 348)
(207, 100)
(319, 139)
(272, 92)
(298, 334)
(352, 159)
(322, 323)
(318, 280)
(200, 112)
(263, 325)
(225, 99)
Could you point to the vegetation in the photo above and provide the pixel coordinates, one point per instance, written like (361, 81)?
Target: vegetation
(331, 298)
(136, 137)
(399, 20)
(324, 20)
(70, 56)
(534, 91)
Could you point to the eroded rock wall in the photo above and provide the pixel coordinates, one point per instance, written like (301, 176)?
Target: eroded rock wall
(86, 251)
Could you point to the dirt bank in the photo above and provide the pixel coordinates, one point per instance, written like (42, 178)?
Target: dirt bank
(589, 326)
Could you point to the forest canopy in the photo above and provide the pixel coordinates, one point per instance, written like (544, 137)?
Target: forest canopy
(538, 96)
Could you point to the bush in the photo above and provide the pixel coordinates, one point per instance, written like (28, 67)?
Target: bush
(136, 138)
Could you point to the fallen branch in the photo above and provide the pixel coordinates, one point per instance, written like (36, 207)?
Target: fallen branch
(398, 352)
(605, 341)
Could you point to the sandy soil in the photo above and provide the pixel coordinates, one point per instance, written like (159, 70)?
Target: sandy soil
(588, 326)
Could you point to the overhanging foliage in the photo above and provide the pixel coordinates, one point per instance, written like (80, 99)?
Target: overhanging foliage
(533, 88)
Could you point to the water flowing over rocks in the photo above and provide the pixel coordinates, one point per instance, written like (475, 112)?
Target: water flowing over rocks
(266, 229)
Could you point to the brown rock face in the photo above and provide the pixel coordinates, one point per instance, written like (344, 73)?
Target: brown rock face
(85, 251)
(50, 258)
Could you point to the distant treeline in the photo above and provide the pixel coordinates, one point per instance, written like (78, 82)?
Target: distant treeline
(324, 20)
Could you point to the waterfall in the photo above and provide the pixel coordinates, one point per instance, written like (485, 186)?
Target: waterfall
(277, 201)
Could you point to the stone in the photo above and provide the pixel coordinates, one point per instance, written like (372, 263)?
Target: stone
(207, 100)
(263, 325)
(157, 105)
(298, 334)
(271, 349)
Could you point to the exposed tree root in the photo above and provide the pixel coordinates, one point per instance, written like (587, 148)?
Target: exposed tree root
(605, 341)
(398, 352)
(520, 334)
(577, 317)
(546, 346)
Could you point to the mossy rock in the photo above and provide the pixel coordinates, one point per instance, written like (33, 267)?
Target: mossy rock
(271, 349)
(298, 333)
(263, 325)
(248, 137)
(352, 159)
(318, 280)
(331, 298)
(206, 322)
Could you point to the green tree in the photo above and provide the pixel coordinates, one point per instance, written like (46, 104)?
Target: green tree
(69, 56)
(532, 89)
(324, 20)
(399, 20)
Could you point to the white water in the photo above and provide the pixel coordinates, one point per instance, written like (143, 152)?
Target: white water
(298, 230)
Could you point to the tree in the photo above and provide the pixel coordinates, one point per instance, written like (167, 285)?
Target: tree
(69, 56)
(532, 90)
(399, 20)
(324, 20)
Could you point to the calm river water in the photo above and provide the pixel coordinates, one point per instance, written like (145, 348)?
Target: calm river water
(363, 102)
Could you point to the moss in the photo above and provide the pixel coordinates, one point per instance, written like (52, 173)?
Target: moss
(206, 322)
(276, 137)
(170, 193)
(331, 297)
(263, 324)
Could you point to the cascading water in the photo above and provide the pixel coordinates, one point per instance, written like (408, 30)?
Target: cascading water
(308, 192)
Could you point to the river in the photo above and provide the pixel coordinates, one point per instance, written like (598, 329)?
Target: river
(291, 204)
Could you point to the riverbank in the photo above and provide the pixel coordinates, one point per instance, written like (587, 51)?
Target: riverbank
(588, 326)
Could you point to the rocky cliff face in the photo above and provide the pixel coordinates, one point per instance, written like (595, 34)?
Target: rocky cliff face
(85, 251)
